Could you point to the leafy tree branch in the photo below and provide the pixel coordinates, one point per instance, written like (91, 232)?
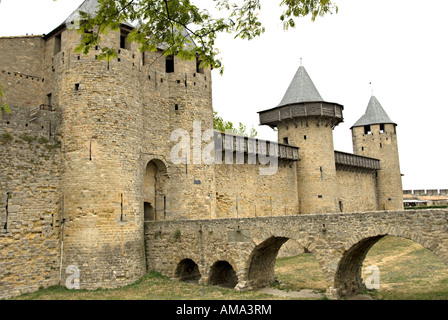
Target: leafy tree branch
(179, 27)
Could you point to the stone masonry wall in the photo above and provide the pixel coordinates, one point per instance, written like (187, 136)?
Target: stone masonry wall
(357, 190)
(20, 70)
(241, 191)
(30, 202)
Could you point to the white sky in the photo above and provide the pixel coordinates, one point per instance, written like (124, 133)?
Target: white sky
(400, 46)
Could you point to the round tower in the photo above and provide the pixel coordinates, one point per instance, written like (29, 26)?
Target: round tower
(102, 209)
(375, 135)
(118, 119)
(305, 120)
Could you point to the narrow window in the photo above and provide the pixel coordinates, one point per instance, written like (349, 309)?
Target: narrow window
(49, 98)
(57, 43)
(76, 86)
(304, 137)
(8, 196)
(367, 130)
(176, 107)
(199, 69)
(382, 130)
(124, 44)
(143, 58)
(121, 215)
(285, 140)
(169, 64)
(381, 145)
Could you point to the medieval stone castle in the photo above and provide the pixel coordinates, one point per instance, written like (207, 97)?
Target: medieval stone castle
(87, 158)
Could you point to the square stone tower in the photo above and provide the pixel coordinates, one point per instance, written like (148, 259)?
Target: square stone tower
(375, 135)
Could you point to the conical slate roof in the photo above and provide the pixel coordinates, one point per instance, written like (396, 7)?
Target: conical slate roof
(375, 114)
(90, 7)
(301, 89)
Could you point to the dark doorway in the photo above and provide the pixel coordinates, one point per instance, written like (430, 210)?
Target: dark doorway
(149, 212)
(187, 270)
(222, 274)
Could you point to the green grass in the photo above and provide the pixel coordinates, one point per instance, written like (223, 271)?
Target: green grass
(407, 272)
(151, 287)
(427, 207)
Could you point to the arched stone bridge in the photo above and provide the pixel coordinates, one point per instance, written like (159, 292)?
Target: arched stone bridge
(242, 252)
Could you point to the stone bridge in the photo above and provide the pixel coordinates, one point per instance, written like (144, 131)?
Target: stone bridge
(242, 252)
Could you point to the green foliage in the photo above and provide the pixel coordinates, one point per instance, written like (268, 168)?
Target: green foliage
(184, 29)
(27, 138)
(4, 106)
(301, 8)
(42, 140)
(177, 234)
(228, 127)
(56, 144)
(5, 138)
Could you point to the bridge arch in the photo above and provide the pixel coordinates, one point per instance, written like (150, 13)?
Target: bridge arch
(348, 277)
(222, 274)
(187, 270)
(262, 261)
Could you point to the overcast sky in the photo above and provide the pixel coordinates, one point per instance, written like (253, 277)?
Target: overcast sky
(399, 46)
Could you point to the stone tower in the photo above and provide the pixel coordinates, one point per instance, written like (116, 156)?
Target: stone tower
(117, 120)
(305, 120)
(101, 119)
(375, 135)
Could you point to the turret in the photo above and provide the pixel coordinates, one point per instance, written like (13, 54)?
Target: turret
(375, 135)
(305, 120)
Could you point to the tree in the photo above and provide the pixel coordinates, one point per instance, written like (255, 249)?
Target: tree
(176, 24)
(228, 127)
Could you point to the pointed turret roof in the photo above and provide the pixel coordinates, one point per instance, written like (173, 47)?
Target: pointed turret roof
(375, 114)
(301, 89)
(90, 7)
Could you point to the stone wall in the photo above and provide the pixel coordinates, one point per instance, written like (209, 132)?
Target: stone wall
(20, 70)
(357, 189)
(241, 191)
(30, 202)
